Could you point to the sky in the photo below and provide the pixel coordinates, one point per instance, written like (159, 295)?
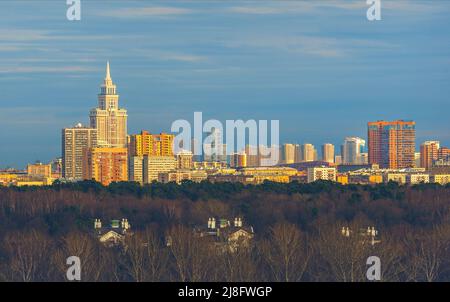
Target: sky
(319, 67)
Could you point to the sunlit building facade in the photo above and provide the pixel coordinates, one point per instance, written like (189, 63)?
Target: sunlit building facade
(109, 120)
(392, 144)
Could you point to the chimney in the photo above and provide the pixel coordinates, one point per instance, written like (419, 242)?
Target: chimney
(213, 223)
(97, 224)
(236, 222)
(125, 224)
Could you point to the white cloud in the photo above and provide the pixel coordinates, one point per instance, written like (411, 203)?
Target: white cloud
(140, 12)
(308, 6)
(22, 34)
(183, 57)
(41, 69)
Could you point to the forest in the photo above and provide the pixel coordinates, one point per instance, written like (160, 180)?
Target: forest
(297, 231)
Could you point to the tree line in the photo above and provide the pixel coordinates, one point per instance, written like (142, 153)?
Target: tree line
(297, 231)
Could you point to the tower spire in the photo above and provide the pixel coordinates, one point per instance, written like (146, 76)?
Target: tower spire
(108, 74)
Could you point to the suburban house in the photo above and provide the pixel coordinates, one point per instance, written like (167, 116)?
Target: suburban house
(114, 233)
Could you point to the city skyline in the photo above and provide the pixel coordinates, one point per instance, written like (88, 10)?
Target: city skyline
(213, 66)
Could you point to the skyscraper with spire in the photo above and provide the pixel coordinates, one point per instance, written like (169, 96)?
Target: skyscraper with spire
(109, 120)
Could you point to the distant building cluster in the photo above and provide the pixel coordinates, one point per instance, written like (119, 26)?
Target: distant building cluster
(105, 152)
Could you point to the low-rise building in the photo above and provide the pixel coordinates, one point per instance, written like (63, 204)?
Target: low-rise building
(417, 178)
(154, 165)
(342, 179)
(321, 173)
(177, 176)
(227, 236)
(395, 177)
(39, 170)
(442, 179)
(113, 234)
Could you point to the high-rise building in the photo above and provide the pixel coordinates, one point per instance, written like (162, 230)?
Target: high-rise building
(56, 165)
(328, 153)
(351, 150)
(196, 149)
(214, 149)
(392, 144)
(309, 153)
(238, 160)
(106, 165)
(417, 163)
(297, 153)
(428, 154)
(288, 154)
(109, 120)
(253, 157)
(135, 169)
(363, 158)
(147, 144)
(184, 160)
(154, 165)
(74, 143)
(444, 153)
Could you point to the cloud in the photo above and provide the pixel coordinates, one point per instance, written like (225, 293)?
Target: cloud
(307, 6)
(22, 34)
(309, 45)
(260, 10)
(312, 45)
(183, 57)
(41, 69)
(141, 12)
(297, 7)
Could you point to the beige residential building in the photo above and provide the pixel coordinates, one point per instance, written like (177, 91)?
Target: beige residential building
(109, 120)
(288, 154)
(309, 152)
(396, 177)
(184, 160)
(39, 170)
(417, 178)
(321, 173)
(442, 179)
(153, 165)
(253, 157)
(74, 143)
(135, 169)
(175, 176)
(328, 153)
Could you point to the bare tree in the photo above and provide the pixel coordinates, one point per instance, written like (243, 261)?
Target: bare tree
(190, 254)
(91, 253)
(341, 258)
(146, 258)
(28, 253)
(428, 251)
(286, 253)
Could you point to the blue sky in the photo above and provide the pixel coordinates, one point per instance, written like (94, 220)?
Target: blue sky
(319, 67)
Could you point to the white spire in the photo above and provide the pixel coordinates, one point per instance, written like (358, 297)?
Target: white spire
(108, 74)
